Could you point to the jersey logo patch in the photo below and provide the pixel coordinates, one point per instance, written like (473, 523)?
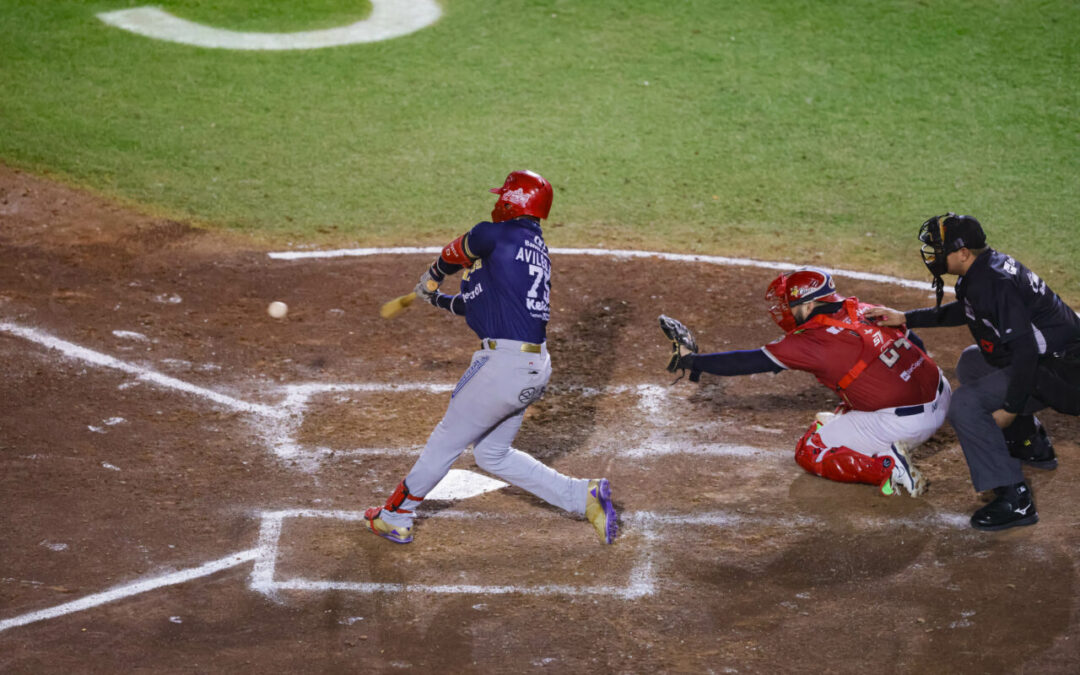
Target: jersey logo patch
(516, 196)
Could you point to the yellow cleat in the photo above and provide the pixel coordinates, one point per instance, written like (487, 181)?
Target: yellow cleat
(398, 535)
(600, 511)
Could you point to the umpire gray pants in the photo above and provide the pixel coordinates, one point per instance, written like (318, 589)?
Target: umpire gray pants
(981, 392)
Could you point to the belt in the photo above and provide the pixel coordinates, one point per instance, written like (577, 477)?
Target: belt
(488, 343)
(908, 410)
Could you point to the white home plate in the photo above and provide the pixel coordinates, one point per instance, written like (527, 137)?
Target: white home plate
(460, 484)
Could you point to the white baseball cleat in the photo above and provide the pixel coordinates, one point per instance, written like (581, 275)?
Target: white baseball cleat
(904, 473)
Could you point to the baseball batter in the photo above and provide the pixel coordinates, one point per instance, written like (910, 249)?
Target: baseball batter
(504, 298)
(893, 396)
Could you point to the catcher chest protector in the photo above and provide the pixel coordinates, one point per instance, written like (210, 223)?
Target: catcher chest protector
(524, 193)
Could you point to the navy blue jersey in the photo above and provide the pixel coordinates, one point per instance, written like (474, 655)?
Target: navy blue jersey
(508, 289)
(1004, 301)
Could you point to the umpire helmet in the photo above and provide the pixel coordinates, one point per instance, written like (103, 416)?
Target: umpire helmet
(797, 288)
(941, 235)
(524, 193)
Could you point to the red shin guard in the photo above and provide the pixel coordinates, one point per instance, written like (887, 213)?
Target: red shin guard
(840, 464)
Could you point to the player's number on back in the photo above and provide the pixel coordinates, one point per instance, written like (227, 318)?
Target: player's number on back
(533, 300)
(538, 273)
(890, 356)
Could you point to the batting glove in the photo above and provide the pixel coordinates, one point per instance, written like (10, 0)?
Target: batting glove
(428, 287)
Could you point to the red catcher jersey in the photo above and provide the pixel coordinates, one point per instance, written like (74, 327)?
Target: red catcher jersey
(897, 373)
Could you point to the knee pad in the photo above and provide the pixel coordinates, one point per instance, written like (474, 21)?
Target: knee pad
(840, 464)
(401, 501)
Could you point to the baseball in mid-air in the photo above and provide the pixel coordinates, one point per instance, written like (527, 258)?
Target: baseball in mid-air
(277, 309)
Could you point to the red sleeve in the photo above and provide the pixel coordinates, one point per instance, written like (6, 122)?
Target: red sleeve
(457, 252)
(797, 351)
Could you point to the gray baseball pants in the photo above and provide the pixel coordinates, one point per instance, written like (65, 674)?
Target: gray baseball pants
(981, 392)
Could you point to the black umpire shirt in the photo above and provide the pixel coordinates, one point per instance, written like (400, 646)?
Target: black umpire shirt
(1013, 316)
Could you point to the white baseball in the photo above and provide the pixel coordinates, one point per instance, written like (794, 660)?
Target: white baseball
(277, 309)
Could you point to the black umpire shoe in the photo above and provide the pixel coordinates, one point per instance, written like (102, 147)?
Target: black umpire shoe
(1012, 507)
(1036, 450)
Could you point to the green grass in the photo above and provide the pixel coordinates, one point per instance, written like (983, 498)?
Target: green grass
(816, 131)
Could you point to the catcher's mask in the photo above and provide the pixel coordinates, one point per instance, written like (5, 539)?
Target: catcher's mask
(524, 193)
(942, 235)
(797, 288)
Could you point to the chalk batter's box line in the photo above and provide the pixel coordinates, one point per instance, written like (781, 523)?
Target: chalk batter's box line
(641, 581)
(281, 432)
(280, 423)
(639, 584)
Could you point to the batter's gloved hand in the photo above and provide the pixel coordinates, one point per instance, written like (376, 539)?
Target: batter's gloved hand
(683, 346)
(428, 287)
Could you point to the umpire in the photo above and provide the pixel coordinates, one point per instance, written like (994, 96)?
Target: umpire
(1026, 357)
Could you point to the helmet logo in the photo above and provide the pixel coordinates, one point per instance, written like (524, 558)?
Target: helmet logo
(516, 196)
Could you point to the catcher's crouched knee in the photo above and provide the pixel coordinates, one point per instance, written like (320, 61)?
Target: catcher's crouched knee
(840, 464)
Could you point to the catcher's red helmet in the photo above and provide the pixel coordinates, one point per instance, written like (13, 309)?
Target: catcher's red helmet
(524, 193)
(798, 287)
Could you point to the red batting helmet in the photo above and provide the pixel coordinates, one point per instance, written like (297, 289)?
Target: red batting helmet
(798, 287)
(524, 193)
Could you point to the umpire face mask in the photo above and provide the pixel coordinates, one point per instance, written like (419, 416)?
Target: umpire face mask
(932, 236)
(934, 256)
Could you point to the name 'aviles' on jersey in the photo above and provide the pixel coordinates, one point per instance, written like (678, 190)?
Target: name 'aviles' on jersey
(508, 290)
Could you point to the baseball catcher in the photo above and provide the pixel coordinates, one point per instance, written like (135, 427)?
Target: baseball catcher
(893, 397)
(504, 297)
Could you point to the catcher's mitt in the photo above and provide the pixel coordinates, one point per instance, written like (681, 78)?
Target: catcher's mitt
(682, 345)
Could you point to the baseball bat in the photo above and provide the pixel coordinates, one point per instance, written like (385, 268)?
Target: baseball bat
(396, 306)
(392, 308)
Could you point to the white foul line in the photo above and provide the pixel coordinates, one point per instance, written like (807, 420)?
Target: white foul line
(131, 589)
(616, 253)
(74, 351)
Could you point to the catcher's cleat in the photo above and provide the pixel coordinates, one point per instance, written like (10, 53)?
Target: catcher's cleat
(600, 511)
(904, 474)
(398, 535)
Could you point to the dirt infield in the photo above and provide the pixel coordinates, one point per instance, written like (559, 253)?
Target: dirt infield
(182, 475)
